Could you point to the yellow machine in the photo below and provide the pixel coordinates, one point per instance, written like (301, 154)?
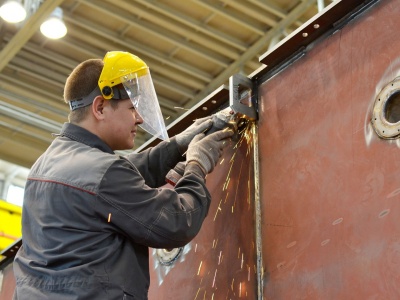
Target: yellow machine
(10, 223)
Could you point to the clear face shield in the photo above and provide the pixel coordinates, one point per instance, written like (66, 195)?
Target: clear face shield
(143, 96)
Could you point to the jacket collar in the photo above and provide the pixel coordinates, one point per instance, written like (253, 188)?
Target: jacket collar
(84, 136)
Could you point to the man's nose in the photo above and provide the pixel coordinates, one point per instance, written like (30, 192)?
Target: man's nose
(139, 118)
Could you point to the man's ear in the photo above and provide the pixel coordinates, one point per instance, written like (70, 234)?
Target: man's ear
(98, 107)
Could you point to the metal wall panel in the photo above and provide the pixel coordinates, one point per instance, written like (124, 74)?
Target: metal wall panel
(330, 188)
(220, 263)
(7, 282)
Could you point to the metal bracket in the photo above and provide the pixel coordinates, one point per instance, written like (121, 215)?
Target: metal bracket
(9, 254)
(243, 96)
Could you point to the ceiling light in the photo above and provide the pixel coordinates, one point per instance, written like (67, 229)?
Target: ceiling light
(54, 27)
(12, 11)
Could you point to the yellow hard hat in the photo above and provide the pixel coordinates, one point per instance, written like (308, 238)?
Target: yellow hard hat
(118, 64)
(128, 70)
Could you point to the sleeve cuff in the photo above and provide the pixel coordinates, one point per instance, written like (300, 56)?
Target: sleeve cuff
(195, 167)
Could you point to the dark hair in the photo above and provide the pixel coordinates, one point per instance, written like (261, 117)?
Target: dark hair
(82, 80)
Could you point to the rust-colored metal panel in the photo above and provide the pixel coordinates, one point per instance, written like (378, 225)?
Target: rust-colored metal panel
(220, 263)
(7, 283)
(7, 280)
(329, 186)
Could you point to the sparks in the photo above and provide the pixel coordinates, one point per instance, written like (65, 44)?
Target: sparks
(197, 294)
(218, 209)
(226, 184)
(248, 193)
(227, 194)
(215, 275)
(198, 272)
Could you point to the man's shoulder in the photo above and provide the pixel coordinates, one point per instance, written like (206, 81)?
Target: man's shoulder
(71, 161)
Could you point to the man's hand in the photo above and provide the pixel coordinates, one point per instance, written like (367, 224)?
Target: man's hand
(205, 151)
(184, 138)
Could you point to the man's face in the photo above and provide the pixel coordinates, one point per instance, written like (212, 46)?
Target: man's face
(121, 125)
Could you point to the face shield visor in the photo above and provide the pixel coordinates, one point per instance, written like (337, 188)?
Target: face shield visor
(141, 92)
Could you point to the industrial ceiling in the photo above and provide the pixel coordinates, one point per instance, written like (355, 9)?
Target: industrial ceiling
(191, 46)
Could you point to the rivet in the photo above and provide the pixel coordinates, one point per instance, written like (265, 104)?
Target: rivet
(316, 26)
(204, 108)
(323, 243)
(338, 221)
(384, 213)
(213, 101)
(305, 34)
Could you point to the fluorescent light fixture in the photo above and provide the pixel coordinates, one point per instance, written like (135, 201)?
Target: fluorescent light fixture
(54, 27)
(12, 11)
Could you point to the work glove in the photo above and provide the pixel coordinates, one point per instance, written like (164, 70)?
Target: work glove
(205, 151)
(184, 138)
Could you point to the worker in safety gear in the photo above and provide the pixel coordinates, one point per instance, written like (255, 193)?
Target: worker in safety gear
(90, 215)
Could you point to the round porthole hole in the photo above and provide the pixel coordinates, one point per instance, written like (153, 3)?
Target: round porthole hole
(386, 111)
(392, 108)
(167, 257)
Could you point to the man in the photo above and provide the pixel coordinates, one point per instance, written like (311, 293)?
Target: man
(90, 215)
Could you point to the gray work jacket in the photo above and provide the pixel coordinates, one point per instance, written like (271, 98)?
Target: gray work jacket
(90, 215)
